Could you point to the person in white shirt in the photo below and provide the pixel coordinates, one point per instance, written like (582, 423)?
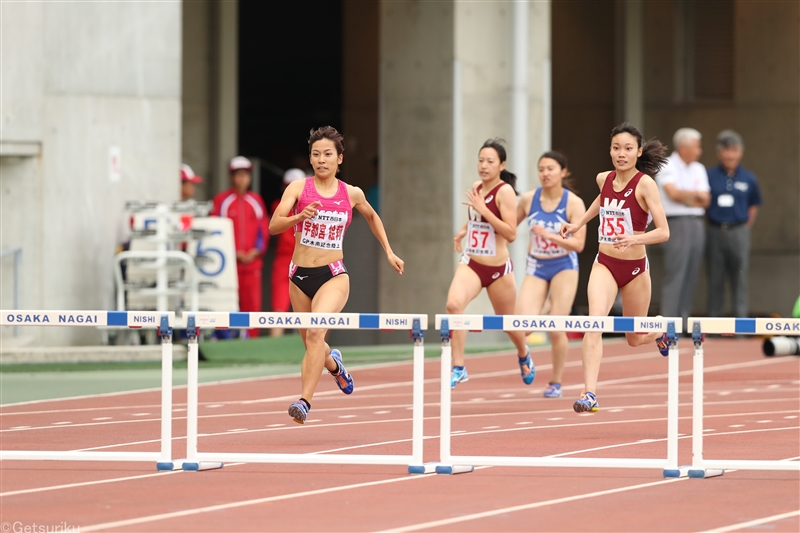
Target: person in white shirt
(685, 194)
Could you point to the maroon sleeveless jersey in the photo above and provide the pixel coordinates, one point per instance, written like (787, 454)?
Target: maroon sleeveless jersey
(620, 212)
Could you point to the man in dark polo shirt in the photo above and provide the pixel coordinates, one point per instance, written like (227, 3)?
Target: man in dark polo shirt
(734, 205)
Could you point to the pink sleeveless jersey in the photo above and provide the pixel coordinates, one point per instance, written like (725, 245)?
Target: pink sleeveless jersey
(326, 230)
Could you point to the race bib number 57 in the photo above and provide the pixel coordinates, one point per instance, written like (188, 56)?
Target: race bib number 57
(480, 239)
(613, 222)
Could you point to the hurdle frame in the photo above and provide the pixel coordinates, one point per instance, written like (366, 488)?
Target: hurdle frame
(451, 464)
(163, 321)
(414, 323)
(701, 467)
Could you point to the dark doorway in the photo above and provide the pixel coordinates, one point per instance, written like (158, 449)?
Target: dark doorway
(290, 80)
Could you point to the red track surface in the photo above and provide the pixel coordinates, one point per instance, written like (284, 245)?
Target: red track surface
(752, 405)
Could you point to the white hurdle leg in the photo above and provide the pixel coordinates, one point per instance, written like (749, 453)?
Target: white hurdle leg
(191, 463)
(698, 469)
(445, 465)
(165, 332)
(673, 404)
(417, 465)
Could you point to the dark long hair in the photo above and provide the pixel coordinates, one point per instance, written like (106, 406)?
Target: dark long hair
(654, 154)
(505, 175)
(567, 182)
(327, 132)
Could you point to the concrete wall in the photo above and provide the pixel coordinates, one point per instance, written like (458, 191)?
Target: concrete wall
(78, 79)
(764, 110)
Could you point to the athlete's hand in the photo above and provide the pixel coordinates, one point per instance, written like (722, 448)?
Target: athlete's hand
(310, 211)
(567, 229)
(396, 262)
(476, 201)
(457, 240)
(623, 242)
(539, 231)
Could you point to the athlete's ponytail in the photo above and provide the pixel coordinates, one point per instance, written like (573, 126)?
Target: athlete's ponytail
(654, 154)
(497, 145)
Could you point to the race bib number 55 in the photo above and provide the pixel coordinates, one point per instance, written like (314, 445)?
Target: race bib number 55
(613, 222)
(480, 239)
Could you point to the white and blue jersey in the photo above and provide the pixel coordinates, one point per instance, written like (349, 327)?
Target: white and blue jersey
(546, 258)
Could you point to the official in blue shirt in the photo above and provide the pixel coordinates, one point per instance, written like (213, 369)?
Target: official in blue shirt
(735, 198)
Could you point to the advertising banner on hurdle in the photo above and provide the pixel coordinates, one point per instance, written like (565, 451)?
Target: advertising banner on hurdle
(702, 467)
(123, 319)
(452, 464)
(415, 323)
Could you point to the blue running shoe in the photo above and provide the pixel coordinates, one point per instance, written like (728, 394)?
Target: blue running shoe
(586, 403)
(458, 375)
(527, 362)
(298, 411)
(343, 378)
(553, 390)
(663, 345)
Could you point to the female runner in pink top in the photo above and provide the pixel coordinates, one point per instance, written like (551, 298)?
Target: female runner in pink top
(628, 198)
(320, 209)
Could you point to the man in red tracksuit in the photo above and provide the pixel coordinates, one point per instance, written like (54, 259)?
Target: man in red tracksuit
(250, 219)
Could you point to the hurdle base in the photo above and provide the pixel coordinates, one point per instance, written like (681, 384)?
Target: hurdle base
(167, 466)
(454, 469)
(195, 466)
(427, 468)
(682, 471)
(702, 473)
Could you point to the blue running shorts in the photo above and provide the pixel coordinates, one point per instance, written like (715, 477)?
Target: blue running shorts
(546, 269)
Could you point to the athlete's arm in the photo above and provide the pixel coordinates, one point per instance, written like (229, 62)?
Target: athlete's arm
(524, 206)
(575, 210)
(359, 201)
(647, 194)
(459, 237)
(590, 213)
(281, 221)
(506, 202)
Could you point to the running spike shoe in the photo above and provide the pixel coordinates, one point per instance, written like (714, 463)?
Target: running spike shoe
(298, 411)
(586, 403)
(458, 375)
(343, 378)
(524, 363)
(553, 390)
(663, 345)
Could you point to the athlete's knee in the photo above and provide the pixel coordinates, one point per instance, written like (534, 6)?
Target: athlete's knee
(454, 306)
(634, 339)
(315, 337)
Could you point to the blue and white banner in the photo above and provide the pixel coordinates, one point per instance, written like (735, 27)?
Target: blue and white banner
(383, 321)
(605, 324)
(130, 319)
(748, 326)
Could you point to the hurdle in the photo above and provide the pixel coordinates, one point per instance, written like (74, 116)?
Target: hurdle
(164, 322)
(416, 324)
(451, 464)
(705, 468)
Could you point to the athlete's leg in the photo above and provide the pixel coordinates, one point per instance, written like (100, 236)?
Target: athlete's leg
(636, 302)
(563, 288)
(601, 292)
(503, 295)
(532, 296)
(330, 298)
(463, 289)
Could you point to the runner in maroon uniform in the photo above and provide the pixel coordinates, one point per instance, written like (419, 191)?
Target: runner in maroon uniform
(320, 209)
(628, 198)
(485, 261)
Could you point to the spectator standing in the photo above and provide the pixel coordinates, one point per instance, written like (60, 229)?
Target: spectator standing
(249, 215)
(735, 198)
(683, 184)
(188, 182)
(283, 258)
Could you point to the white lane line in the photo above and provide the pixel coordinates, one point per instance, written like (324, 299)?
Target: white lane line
(20, 427)
(100, 418)
(790, 416)
(763, 421)
(348, 416)
(215, 406)
(61, 423)
(382, 412)
(85, 483)
(753, 523)
(492, 427)
(276, 425)
(237, 429)
(556, 418)
(140, 414)
(507, 395)
(505, 510)
(736, 426)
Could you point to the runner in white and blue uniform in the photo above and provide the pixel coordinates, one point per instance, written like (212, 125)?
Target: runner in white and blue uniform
(552, 267)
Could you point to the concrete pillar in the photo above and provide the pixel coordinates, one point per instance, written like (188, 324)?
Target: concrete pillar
(224, 98)
(443, 93)
(630, 90)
